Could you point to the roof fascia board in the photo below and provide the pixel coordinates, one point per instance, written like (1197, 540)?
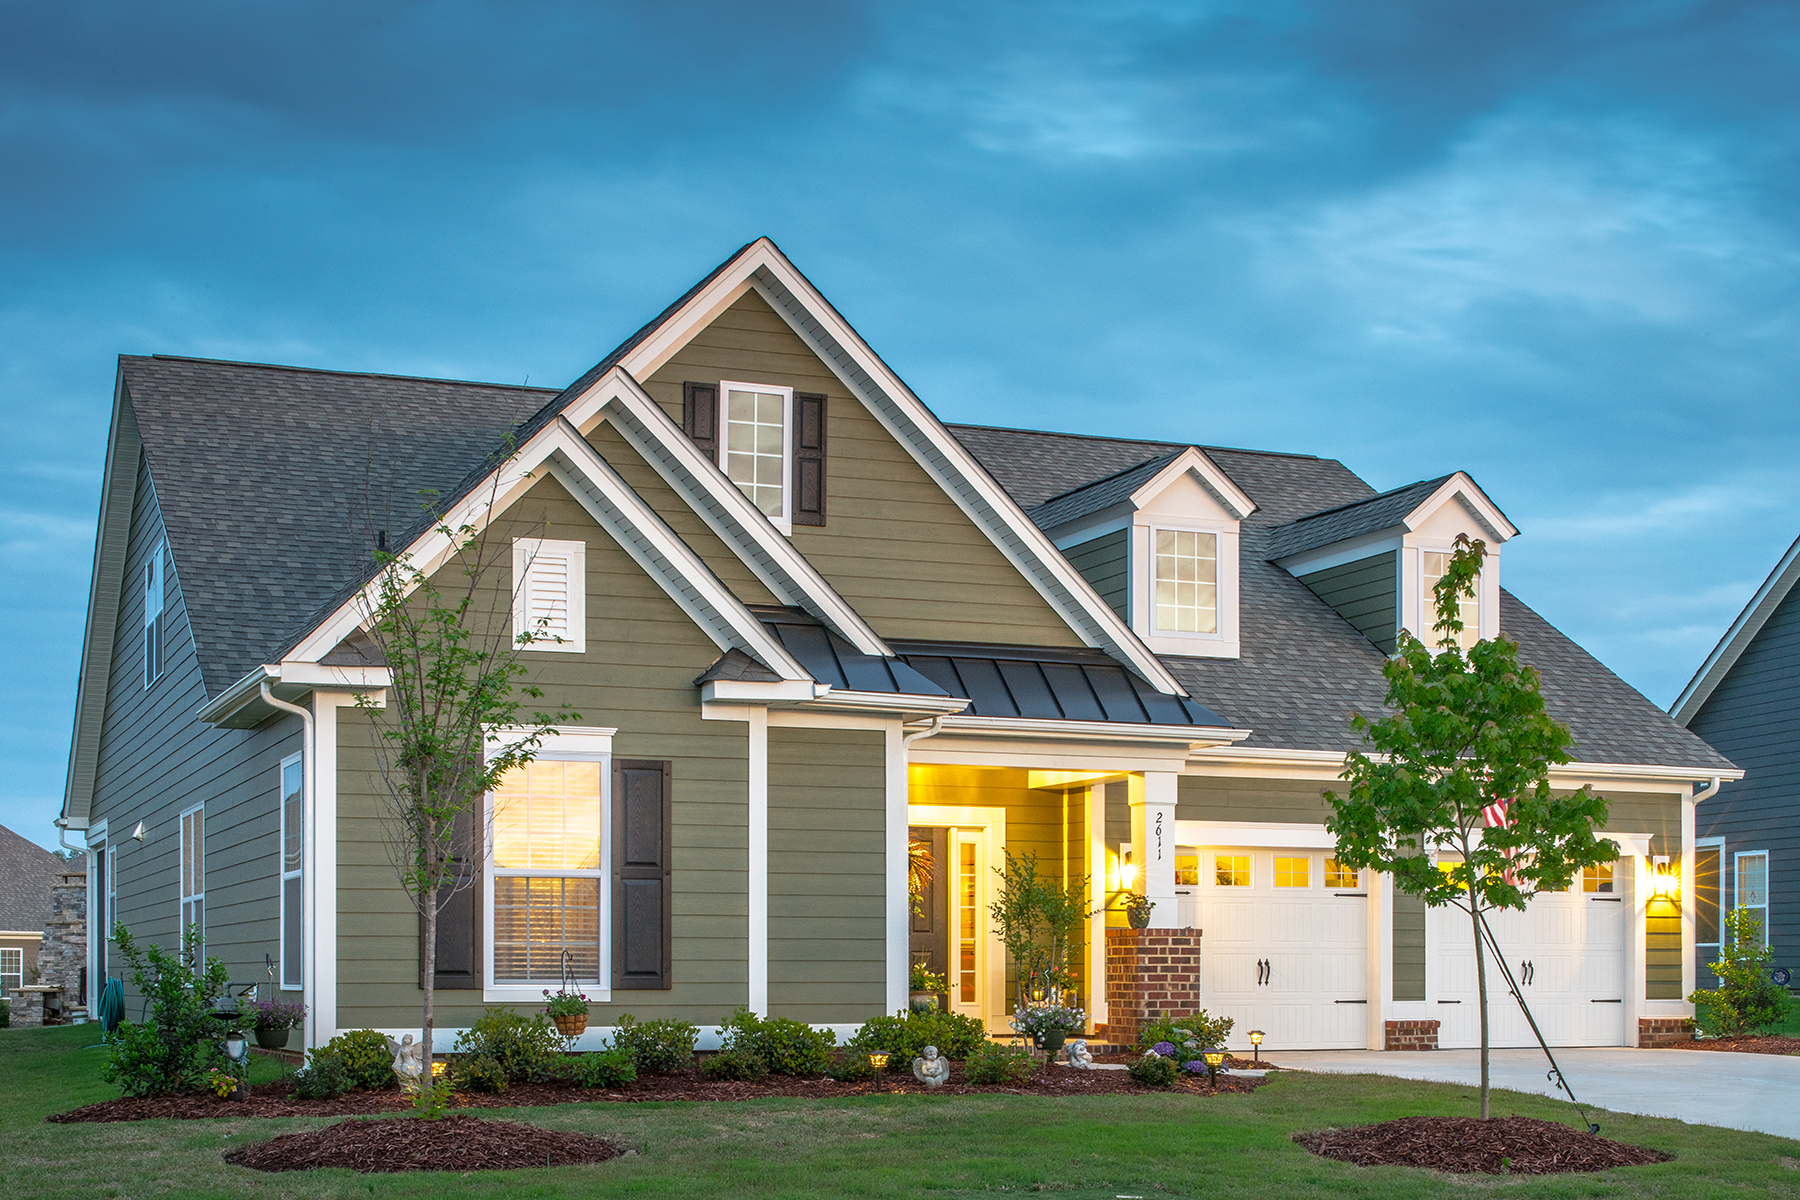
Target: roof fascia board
(1207, 473)
(1336, 554)
(754, 692)
(1737, 639)
(950, 465)
(1193, 736)
(618, 397)
(1110, 519)
(1565, 773)
(1464, 490)
(730, 286)
(118, 490)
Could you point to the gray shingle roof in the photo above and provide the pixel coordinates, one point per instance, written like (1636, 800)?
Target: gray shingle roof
(1350, 520)
(1103, 493)
(27, 871)
(1303, 669)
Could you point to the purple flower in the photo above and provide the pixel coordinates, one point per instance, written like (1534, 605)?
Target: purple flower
(1165, 1049)
(1195, 1067)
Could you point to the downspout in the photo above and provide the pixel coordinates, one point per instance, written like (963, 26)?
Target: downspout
(936, 726)
(91, 960)
(1709, 791)
(309, 840)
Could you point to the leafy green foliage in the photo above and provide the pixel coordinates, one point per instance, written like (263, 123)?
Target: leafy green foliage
(1152, 1070)
(1190, 1034)
(787, 1046)
(851, 1066)
(908, 1033)
(173, 1050)
(1037, 918)
(433, 1100)
(523, 1046)
(323, 1077)
(608, 1068)
(664, 1046)
(997, 1062)
(366, 1058)
(922, 979)
(480, 1073)
(1746, 1000)
(745, 1065)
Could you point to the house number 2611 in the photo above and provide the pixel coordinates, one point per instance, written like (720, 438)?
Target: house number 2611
(1159, 821)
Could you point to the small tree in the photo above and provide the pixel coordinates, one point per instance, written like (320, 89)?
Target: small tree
(457, 683)
(1038, 918)
(1746, 999)
(1467, 740)
(171, 1052)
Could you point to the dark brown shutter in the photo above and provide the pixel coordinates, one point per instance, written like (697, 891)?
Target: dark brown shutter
(459, 958)
(700, 416)
(809, 459)
(643, 809)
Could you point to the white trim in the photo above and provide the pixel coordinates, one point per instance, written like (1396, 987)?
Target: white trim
(1737, 859)
(896, 896)
(1689, 924)
(991, 821)
(1207, 473)
(282, 874)
(757, 867)
(1325, 764)
(599, 1037)
(1274, 835)
(155, 586)
(198, 896)
(1096, 871)
(784, 522)
(527, 553)
(94, 837)
(1224, 641)
(1105, 731)
(1737, 639)
(320, 888)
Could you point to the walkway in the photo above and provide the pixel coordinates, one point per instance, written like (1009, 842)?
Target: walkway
(1739, 1091)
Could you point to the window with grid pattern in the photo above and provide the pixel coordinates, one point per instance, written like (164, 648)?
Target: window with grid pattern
(293, 864)
(1231, 870)
(1187, 587)
(755, 449)
(1468, 610)
(193, 872)
(1337, 875)
(12, 969)
(1293, 872)
(547, 871)
(1597, 878)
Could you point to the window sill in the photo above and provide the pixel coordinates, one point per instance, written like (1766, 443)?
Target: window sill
(533, 993)
(1192, 645)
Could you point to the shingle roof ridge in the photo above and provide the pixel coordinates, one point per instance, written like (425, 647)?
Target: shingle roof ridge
(1390, 493)
(1105, 437)
(262, 366)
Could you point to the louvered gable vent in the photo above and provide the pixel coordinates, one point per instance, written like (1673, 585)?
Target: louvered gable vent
(550, 593)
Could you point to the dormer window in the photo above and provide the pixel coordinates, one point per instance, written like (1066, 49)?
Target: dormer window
(1432, 567)
(1187, 581)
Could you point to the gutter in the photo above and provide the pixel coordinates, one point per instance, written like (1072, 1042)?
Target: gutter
(309, 786)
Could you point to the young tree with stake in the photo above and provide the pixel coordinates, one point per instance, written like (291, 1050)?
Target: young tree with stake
(457, 683)
(1460, 766)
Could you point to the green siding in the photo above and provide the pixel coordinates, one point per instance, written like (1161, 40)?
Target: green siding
(1280, 800)
(1105, 563)
(827, 874)
(1660, 816)
(1365, 593)
(894, 544)
(637, 675)
(1409, 946)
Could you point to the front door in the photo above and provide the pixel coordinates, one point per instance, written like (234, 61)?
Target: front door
(929, 944)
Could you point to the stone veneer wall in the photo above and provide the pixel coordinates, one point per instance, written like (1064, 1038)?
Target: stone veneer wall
(1150, 973)
(63, 958)
(1664, 1031)
(1410, 1035)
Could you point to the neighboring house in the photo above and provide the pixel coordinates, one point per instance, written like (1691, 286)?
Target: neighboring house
(27, 873)
(806, 625)
(1745, 700)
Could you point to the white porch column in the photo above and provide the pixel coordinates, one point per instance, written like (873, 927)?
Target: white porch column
(1096, 871)
(1688, 929)
(757, 902)
(899, 925)
(1152, 795)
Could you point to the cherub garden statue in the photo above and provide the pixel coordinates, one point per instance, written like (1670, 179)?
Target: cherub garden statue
(409, 1062)
(1080, 1056)
(931, 1068)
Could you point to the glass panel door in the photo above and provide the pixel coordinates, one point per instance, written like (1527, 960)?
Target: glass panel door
(965, 987)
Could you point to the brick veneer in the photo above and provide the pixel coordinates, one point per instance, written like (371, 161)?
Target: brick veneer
(1664, 1031)
(1410, 1035)
(1149, 973)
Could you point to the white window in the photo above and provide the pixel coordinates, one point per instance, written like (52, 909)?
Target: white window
(193, 870)
(1436, 562)
(1753, 887)
(547, 882)
(293, 871)
(753, 452)
(12, 968)
(550, 594)
(1187, 581)
(153, 615)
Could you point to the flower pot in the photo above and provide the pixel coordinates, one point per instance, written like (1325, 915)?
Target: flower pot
(923, 1001)
(272, 1039)
(1052, 1041)
(570, 1024)
(1139, 918)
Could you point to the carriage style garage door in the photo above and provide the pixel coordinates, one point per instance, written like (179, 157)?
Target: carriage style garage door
(1567, 951)
(1283, 947)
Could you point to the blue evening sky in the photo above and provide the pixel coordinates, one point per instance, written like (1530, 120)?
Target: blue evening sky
(1551, 242)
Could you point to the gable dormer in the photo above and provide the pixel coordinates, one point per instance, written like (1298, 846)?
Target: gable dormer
(1376, 561)
(1159, 542)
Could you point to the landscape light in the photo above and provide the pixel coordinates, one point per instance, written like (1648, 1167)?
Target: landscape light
(1214, 1059)
(1256, 1040)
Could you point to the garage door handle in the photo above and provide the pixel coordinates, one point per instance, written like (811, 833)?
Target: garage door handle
(1349, 1001)
(1607, 899)
(1606, 1002)
(1449, 1001)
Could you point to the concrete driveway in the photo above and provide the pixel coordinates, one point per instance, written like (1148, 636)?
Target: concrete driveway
(1739, 1091)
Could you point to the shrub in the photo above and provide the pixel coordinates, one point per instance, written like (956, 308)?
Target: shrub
(480, 1073)
(786, 1046)
(1191, 1034)
(366, 1058)
(608, 1068)
(173, 1050)
(1746, 999)
(523, 1046)
(5, 1014)
(853, 1067)
(322, 1078)
(565, 1069)
(997, 1062)
(746, 1065)
(433, 1101)
(1153, 1070)
(662, 1047)
(907, 1035)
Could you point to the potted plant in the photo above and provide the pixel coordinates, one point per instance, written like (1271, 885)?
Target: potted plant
(926, 988)
(1137, 910)
(1049, 1025)
(273, 1020)
(568, 1010)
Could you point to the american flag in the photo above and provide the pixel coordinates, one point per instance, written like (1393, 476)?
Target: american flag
(1494, 815)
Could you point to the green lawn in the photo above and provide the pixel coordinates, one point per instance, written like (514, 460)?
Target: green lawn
(898, 1146)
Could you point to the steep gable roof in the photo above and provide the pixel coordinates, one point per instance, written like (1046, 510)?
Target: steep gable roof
(27, 871)
(1769, 597)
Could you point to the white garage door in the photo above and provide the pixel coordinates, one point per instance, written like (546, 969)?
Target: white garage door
(1567, 952)
(1283, 947)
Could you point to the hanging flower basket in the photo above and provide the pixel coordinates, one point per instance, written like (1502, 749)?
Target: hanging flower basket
(570, 1024)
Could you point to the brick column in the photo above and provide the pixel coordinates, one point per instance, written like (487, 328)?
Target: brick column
(1664, 1031)
(1411, 1035)
(1150, 973)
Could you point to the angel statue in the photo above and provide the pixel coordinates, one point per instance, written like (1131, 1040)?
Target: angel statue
(931, 1068)
(409, 1062)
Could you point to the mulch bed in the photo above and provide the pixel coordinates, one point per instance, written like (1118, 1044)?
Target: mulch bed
(449, 1144)
(275, 1099)
(1466, 1146)
(1748, 1045)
